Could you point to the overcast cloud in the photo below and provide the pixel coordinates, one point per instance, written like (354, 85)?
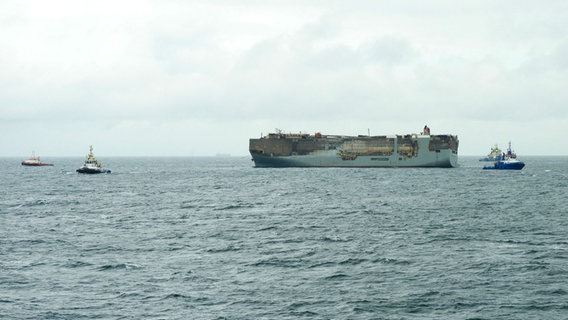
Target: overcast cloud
(202, 77)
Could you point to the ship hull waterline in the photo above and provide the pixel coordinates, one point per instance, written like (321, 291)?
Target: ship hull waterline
(37, 164)
(439, 160)
(92, 171)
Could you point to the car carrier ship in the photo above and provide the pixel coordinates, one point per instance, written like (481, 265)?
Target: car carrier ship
(318, 150)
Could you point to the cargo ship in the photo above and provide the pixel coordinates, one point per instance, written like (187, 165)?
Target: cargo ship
(318, 150)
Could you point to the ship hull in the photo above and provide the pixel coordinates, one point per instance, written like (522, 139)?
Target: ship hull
(91, 170)
(435, 161)
(501, 165)
(354, 152)
(37, 164)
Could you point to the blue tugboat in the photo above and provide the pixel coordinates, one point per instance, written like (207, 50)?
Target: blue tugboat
(508, 161)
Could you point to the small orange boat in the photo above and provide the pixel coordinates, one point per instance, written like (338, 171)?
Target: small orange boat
(34, 161)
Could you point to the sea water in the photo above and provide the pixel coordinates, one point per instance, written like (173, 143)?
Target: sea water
(216, 238)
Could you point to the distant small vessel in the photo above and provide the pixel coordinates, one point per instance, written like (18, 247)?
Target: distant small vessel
(508, 161)
(91, 165)
(34, 161)
(495, 155)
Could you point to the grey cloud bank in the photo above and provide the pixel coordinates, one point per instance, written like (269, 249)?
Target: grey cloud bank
(200, 78)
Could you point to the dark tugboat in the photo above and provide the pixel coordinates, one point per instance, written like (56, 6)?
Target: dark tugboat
(91, 165)
(495, 155)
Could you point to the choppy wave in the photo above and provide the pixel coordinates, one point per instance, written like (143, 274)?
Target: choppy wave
(211, 238)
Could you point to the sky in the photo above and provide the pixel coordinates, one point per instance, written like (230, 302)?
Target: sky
(199, 78)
